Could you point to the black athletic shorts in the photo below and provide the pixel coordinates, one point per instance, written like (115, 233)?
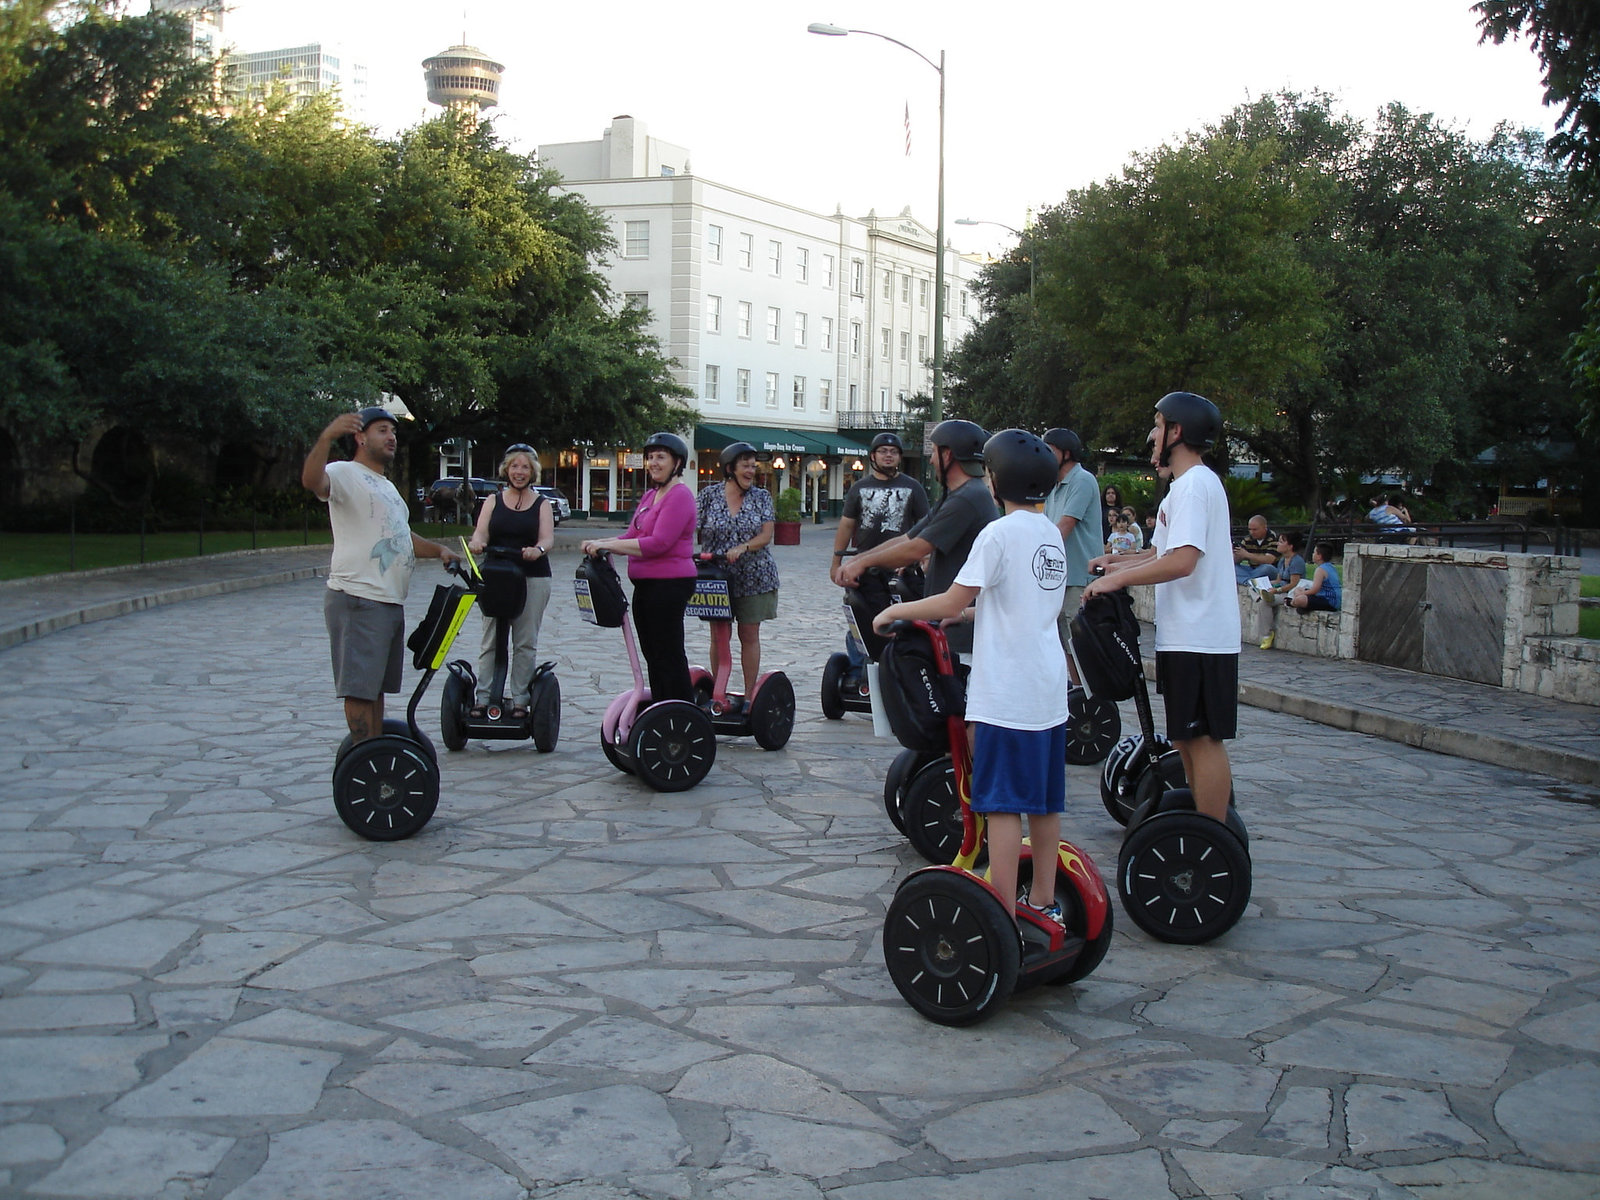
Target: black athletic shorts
(1201, 693)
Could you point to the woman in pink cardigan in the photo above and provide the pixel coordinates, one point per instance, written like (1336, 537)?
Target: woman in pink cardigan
(659, 546)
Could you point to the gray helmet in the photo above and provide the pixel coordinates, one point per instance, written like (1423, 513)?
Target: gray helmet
(672, 444)
(1200, 420)
(1065, 441)
(886, 439)
(1023, 467)
(732, 453)
(370, 416)
(963, 439)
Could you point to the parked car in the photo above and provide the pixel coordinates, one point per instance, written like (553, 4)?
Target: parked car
(559, 508)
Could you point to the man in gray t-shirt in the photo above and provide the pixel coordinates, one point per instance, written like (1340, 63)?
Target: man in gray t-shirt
(1074, 505)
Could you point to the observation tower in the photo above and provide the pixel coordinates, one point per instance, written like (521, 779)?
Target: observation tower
(463, 78)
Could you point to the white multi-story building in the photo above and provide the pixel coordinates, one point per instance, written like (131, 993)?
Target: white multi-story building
(303, 71)
(205, 19)
(801, 333)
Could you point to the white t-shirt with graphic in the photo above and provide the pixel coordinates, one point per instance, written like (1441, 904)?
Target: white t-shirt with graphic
(1200, 612)
(1019, 670)
(372, 553)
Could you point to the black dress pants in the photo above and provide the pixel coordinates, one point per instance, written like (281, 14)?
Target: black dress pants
(658, 606)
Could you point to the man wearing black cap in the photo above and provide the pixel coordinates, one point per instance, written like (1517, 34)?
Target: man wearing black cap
(1074, 505)
(374, 552)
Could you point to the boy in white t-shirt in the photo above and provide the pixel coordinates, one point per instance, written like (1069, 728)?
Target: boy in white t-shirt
(1011, 587)
(1197, 610)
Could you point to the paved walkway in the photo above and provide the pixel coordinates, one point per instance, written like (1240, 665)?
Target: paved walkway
(570, 986)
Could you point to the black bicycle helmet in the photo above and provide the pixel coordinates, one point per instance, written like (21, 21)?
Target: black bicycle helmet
(1198, 418)
(1065, 441)
(370, 416)
(965, 440)
(672, 444)
(1022, 466)
(886, 439)
(731, 454)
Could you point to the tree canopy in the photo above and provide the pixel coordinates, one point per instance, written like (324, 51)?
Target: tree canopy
(188, 273)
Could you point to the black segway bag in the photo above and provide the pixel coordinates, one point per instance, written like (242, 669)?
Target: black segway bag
(430, 640)
(917, 699)
(1105, 641)
(503, 590)
(600, 597)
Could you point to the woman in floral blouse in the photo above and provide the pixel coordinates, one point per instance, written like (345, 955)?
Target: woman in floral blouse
(735, 519)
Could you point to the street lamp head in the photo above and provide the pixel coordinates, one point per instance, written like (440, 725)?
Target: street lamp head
(826, 30)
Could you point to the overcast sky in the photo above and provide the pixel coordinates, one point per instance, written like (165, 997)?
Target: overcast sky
(1041, 97)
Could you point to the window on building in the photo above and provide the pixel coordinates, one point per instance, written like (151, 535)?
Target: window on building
(885, 342)
(855, 338)
(742, 386)
(772, 389)
(714, 243)
(636, 239)
(802, 265)
(827, 270)
(946, 294)
(636, 299)
(888, 285)
(922, 348)
(775, 258)
(825, 394)
(963, 302)
(800, 330)
(857, 274)
(745, 317)
(883, 399)
(855, 394)
(747, 250)
(825, 334)
(713, 314)
(905, 346)
(713, 383)
(774, 323)
(905, 289)
(799, 391)
(922, 293)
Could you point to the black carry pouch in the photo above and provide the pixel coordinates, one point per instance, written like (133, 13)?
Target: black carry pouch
(916, 698)
(600, 597)
(449, 607)
(504, 589)
(1105, 643)
(866, 601)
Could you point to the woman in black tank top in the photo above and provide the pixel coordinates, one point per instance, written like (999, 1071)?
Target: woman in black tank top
(517, 516)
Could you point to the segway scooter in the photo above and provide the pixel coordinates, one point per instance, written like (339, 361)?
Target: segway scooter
(502, 590)
(387, 787)
(1182, 876)
(670, 744)
(950, 948)
(844, 690)
(768, 713)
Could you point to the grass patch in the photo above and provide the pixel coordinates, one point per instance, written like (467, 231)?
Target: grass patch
(1589, 623)
(24, 555)
(1589, 585)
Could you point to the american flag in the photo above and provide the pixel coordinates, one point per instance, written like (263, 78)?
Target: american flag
(908, 129)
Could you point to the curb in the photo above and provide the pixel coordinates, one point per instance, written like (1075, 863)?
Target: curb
(18, 634)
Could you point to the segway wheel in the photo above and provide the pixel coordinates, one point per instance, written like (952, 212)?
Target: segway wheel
(1183, 877)
(906, 764)
(1075, 916)
(772, 713)
(1116, 779)
(1181, 799)
(392, 727)
(833, 673)
(545, 711)
(672, 745)
(931, 811)
(1093, 726)
(456, 700)
(386, 788)
(1158, 777)
(614, 756)
(951, 950)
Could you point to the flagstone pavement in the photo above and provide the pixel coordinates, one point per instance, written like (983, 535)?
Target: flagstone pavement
(570, 986)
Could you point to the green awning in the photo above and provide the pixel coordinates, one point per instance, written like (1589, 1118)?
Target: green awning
(844, 444)
(763, 437)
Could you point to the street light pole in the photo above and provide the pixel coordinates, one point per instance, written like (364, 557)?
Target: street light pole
(937, 411)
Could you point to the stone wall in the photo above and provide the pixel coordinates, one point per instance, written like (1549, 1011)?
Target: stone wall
(1543, 656)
